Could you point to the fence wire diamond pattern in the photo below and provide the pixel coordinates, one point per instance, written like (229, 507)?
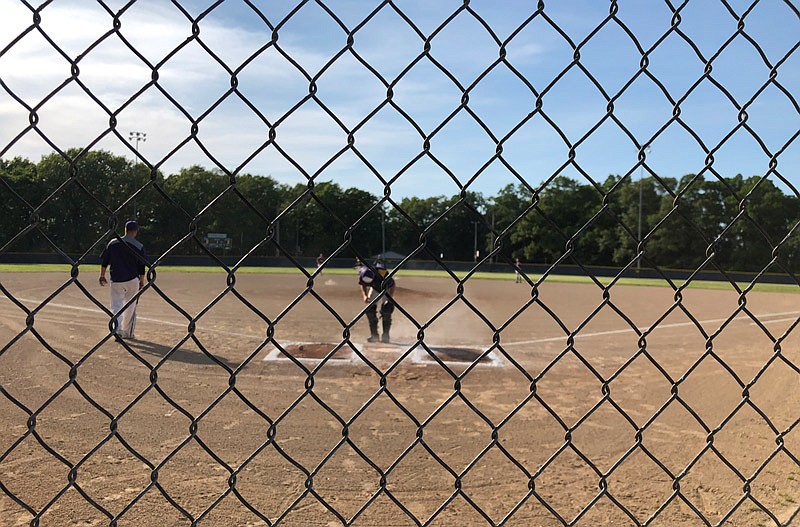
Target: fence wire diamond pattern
(533, 481)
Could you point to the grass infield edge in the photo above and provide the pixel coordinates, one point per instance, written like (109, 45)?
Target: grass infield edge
(569, 279)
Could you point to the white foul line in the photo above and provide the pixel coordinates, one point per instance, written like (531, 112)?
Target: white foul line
(517, 343)
(156, 320)
(674, 325)
(792, 319)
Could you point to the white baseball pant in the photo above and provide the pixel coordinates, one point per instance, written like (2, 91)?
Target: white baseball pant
(121, 294)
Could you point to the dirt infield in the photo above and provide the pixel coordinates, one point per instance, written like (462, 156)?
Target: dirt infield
(566, 430)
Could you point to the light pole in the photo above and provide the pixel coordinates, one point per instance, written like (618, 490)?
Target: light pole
(277, 231)
(383, 232)
(135, 138)
(641, 178)
(491, 248)
(475, 245)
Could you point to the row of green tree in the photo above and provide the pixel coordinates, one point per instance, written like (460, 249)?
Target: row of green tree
(742, 222)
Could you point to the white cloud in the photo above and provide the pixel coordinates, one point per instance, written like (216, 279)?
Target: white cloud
(32, 69)
(113, 73)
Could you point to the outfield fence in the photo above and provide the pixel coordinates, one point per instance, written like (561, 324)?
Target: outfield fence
(668, 23)
(501, 270)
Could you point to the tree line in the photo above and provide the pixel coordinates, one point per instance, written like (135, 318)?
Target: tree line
(742, 221)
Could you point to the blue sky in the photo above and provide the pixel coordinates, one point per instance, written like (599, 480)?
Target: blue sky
(231, 132)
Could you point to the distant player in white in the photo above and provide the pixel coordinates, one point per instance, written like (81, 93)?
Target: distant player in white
(127, 259)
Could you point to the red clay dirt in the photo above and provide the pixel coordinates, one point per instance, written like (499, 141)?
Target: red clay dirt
(566, 410)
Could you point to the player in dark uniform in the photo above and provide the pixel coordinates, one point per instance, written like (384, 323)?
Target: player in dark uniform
(377, 280)
(127, 258)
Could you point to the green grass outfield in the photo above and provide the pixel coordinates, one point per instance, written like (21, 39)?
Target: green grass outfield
(567, 279)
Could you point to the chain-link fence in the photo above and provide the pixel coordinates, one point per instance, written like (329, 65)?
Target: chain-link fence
(255, 399)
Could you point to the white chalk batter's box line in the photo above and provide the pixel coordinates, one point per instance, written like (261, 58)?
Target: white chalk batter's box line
(421, 356)
(276, 355)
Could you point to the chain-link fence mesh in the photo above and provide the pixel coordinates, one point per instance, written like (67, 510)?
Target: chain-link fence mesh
(466, 447)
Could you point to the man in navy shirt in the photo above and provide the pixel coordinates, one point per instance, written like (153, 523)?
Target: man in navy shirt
(126, 258)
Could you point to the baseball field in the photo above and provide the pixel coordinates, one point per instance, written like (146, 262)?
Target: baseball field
(492, 405)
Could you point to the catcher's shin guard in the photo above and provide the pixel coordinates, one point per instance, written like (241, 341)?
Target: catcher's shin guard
(372, 318)
(386, 319)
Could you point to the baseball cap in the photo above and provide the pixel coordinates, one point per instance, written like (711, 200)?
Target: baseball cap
(131, 226)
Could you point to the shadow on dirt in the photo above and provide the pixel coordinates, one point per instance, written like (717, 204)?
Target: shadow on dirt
(187, 356)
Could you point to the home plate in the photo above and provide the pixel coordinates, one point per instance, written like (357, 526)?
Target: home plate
(455, 355)
(313, 352)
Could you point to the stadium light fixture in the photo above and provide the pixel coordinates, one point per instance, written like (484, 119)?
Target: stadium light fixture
(135, 138)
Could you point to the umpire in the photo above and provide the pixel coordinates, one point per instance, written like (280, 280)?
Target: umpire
(377, 279)
(127, 260)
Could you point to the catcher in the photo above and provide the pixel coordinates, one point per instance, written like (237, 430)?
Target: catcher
(377, 280)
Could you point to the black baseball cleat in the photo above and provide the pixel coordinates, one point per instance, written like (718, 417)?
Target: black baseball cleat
(373, 338)
(385, 338)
